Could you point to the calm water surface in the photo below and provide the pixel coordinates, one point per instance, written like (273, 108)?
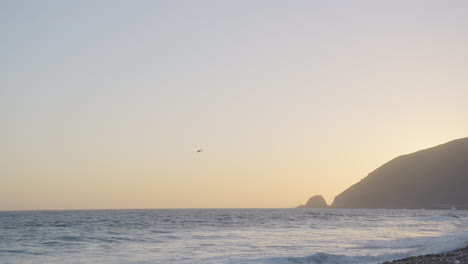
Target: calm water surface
(234, 236)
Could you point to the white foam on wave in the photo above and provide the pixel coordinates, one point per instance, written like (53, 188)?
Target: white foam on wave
(445, 243)
(324, 258)
(413, 246)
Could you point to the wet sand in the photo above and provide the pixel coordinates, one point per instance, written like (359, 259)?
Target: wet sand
(459, 256)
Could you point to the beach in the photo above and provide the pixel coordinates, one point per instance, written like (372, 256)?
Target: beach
(459, 256)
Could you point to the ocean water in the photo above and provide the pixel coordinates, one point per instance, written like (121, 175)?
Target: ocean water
(205, 236)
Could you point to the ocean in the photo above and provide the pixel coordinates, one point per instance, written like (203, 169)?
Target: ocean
(235, 236)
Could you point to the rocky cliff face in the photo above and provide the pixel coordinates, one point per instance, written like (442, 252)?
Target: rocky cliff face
(434, 178)
(316, 201)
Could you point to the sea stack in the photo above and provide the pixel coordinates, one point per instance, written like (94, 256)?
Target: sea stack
(315, 201)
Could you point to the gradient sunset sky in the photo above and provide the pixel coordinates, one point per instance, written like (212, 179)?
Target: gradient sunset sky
(103, 104)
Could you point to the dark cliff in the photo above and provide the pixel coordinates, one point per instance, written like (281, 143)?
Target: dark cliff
(434, 178)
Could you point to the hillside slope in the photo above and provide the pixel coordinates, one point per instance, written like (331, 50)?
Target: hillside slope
(434, 178)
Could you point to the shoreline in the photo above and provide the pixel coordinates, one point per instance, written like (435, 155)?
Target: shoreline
(458, 256)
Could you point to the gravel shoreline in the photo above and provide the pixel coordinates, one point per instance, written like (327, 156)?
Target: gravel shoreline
(459, 256)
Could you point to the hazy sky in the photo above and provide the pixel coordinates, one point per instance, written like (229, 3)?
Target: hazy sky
(103, 104)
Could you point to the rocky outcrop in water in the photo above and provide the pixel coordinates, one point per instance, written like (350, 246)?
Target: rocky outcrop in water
(316, 201)
(434, 178)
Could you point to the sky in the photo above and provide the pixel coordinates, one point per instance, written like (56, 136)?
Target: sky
(103, 104)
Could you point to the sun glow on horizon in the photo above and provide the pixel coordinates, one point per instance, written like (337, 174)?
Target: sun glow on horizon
(104, 105)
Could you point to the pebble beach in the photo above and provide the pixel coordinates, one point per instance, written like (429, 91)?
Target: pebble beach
(459, 256)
